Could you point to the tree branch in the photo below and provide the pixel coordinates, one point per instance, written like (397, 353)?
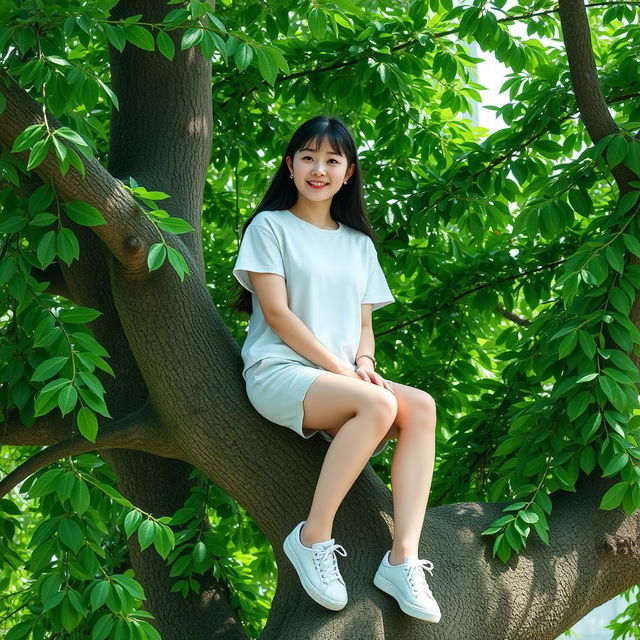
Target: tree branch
(126, 233)
(513, 316)
(584, 79)
(468, 292)
(136, 431)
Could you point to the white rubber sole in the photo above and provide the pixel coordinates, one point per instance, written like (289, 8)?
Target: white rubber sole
(306, 585)
(384, 585)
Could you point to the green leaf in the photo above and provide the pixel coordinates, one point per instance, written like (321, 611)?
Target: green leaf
(21, 630)
(48, 368)
(53, 601)
(99, 594)
(40, 199)
(581, 201)
(92, 382)
(102, 627)
(627, 202)
(89, 343)
(67, 399)
(72, 136)
(317, 20)
(177, 261)
(200, 553)
(46, 483)
(70, 534)
(615, 257)
(67, 247)
(146, 533)
(587, 378)
(87, 423)
(616, 150)
(28, 137)
(613, 392)
(140, 37)
(615, 464)
(141, 192)
(38, 153)
(176, 17)
(165, 45)
(45, 402)
(591, 425)
(157, 255)
(567, 344)
(597, 266)
(78, 315)
(587, 460)
(588, 345)
(150, 632)
(80, 498)
(132, 522)
(164, 541)
(12, 224)
(130, 585)
(631, 242)
(614, 496)
(243, 56)
(46, 251)
(266, 65)
(83, 213)
(542, 531)
(116, 36)
(190, 38)
(174, 225)
(578, 404)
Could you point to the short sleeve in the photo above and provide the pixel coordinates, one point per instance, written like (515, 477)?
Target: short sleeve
(377, 291)
(259, 251)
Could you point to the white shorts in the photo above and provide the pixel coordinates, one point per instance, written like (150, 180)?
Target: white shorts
(276, 388)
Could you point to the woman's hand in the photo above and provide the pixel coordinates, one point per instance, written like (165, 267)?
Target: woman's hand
(346, 370)
(368, 374)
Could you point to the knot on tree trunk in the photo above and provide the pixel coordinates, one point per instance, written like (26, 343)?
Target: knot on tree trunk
(133, 244)
(622, 545)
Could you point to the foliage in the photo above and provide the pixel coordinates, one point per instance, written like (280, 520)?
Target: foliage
(472, 228)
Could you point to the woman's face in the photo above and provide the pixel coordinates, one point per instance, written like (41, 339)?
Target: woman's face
(319, 175)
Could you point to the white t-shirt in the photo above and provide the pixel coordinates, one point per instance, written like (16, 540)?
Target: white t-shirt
(329, 273)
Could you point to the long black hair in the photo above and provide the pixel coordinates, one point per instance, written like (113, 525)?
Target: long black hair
(347, 205)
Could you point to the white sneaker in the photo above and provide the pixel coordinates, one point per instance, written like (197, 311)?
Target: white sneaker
(406, 582)
(317, 569)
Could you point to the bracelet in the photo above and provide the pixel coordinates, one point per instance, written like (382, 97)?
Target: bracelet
(364, 355)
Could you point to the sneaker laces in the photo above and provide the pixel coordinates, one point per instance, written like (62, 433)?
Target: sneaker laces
(417, 579)
(328, 563)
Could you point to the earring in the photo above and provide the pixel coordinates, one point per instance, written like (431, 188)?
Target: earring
(291, 176)
(345, 182)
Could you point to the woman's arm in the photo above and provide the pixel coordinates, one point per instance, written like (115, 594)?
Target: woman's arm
(367, 341)
(272, 295)
(366, 369)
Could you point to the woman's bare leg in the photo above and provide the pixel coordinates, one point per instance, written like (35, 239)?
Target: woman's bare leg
(411, 469)
(330, 399)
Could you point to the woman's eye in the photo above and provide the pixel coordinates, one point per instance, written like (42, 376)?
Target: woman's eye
(310, 158)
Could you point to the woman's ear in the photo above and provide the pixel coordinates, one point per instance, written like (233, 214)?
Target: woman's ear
(289, 162)
(350, 171)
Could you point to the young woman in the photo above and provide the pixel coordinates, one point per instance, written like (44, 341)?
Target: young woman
(311, 280)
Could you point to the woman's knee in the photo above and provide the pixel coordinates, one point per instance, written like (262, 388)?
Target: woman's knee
(427, 402)
(381, 407)
(423, 412)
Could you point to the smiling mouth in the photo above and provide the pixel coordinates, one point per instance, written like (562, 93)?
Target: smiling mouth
(316, 185)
